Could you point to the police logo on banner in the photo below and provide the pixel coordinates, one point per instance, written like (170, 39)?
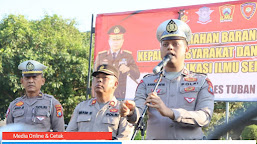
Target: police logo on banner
(204, 15)
(226, 13)
(248, 10)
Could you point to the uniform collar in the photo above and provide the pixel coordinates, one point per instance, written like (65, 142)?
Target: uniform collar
(39, 96)
(118, 52)
(112, 102)
(183, 72)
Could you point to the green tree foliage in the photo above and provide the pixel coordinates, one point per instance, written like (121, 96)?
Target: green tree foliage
(250, 133)
(219, 116)
(56, 43)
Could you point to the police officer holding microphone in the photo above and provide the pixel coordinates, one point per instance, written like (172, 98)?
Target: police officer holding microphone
(183, 101)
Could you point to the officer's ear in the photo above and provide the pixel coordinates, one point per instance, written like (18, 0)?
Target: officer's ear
(187, 48)
(43, 80)
(21, 80)
(116, 83)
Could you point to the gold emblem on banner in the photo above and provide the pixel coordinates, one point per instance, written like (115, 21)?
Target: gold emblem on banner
(116, 30)
(171, 27)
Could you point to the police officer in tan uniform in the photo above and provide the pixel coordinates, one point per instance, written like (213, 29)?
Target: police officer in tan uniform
(101, 114)
(120, 58)
(183, 101)
(35, 108)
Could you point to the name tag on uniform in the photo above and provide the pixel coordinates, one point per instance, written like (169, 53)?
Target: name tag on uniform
(85, 112)
(20, 107)
(112, 114)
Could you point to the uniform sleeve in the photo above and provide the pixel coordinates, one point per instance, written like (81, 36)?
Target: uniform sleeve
(140, 98)
(134, 71)
(73, 125)
(8, 115)
(203, 110)
(57, 120)
(125, 129)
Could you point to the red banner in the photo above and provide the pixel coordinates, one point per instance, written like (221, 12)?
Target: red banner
(223, 44)
(57, 136)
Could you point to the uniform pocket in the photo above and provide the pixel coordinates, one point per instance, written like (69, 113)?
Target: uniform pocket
(111, 120)
(84, 118)
(18, 113)
(18, 116)
(41, 117)
(188, 97)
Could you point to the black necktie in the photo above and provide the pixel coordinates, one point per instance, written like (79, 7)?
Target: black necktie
(113, 55)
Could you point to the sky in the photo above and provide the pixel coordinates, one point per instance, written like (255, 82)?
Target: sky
(82, 10)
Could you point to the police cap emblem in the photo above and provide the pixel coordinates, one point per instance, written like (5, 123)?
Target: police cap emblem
(171, 26)
(30, 66)
(116, 30)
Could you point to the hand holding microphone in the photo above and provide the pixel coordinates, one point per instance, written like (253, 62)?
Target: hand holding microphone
(162, 64)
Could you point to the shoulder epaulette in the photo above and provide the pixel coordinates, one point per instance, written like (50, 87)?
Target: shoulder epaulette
(147, 75)
(18, 98)
(127, 51)
(200, 73)
(48, 96)
(102, 52)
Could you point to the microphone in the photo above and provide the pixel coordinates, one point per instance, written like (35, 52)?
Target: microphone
(163, 63)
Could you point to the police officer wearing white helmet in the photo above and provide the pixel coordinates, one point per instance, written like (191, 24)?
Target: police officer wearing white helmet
(37, 109)
(183, 101)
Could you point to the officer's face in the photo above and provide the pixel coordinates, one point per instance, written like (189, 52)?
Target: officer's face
(105, 83)
(116, 43)
(176, 47)
(32, 84)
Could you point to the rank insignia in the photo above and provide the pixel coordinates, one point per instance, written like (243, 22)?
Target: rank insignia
(58, 108)
(188, 89)
(93, 102)
(20, 103)
(190, 79)
(185, 72)
(112, 103)
(189, 100)
(40, 118)
(114, 110)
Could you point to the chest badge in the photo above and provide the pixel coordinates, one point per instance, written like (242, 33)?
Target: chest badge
(20, 103)
(93, 102)
(189, 100)
(114, 110)
(190, 79)
(188, 89)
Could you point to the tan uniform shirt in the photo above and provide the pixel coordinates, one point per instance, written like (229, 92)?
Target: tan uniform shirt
(123, 57)
(189, 95)
(44, 112)
(89, 117)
